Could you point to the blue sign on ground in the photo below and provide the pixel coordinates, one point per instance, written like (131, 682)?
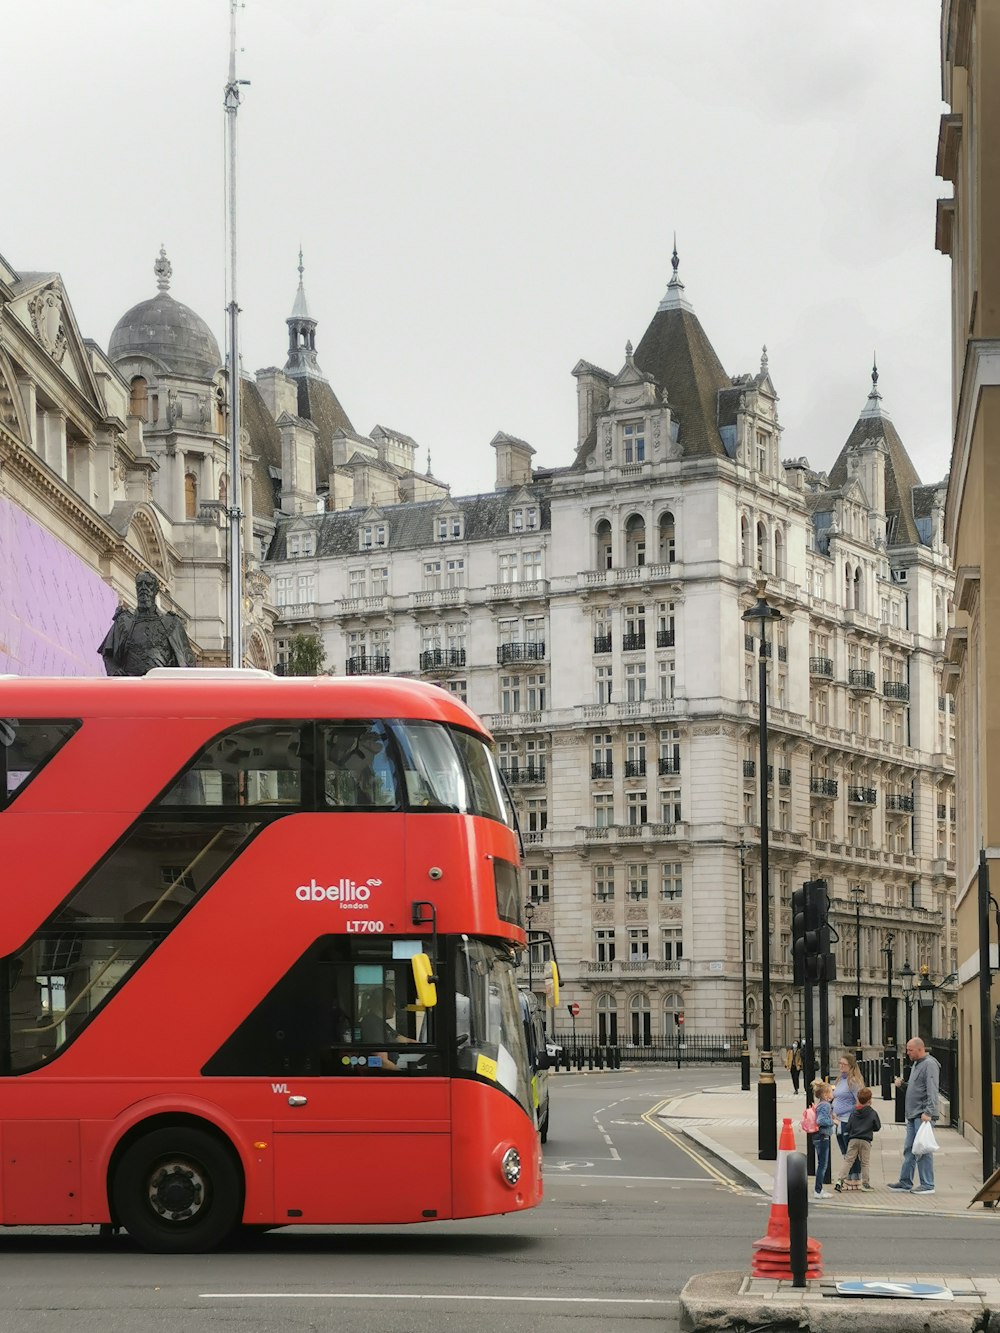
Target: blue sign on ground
(921, 1291)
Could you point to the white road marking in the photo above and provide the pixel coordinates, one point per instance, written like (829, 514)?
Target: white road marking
(687, 1180)
(614, 1155)
(422, 1296)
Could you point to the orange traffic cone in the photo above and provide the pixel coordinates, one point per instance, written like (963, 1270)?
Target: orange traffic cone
(772, 1252)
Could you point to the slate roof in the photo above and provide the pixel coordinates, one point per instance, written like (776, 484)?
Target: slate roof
(321, 406)
(411, 525)
(901, 478)
(265, 445)
(675, 350)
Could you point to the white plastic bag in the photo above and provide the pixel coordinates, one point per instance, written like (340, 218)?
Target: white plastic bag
(924, 1142)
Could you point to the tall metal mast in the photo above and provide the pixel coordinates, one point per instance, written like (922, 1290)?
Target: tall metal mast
(232, 103)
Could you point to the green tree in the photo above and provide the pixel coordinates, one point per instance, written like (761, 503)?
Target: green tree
(306, 655)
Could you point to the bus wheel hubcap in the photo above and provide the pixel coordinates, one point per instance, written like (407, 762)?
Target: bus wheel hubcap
(177, 1191)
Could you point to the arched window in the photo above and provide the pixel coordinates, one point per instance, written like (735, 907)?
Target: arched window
(640, 1026)
(848, 589)
(745, 557)
(859, 590)
(761, 548)
(939, 614)
(190, 495)
(607, 1021)
(635, 541)
(139, 401)
(604, 546)
(751, 1012)
(224, 490)
(785, 1024)
(779, 553)
(673, 1004)
(667, 545)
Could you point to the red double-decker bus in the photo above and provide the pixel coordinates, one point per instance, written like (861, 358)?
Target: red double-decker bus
(258, 948)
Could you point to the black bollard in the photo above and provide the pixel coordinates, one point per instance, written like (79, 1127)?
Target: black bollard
(590, 1057)
(600, 1057)
(798, 1218)
(888, 1072)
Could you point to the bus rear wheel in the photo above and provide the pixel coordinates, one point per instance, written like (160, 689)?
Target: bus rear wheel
(177, 1191)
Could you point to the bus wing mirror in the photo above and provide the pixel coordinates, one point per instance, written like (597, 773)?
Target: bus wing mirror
(553, 999)
(424, 979)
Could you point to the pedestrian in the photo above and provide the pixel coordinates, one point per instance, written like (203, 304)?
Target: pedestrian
(865, 1124)
(793, 1063)
(845, 1095)
(823, 1099)
(920, 1106)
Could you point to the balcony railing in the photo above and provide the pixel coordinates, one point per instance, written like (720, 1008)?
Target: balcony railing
(782, 653)
(862, 795)
(523, 773)
(900, 803)
(668, 766)
(784, 777)
(821, 666)
(749, 768)
(631, 643)
(602, 643)
(520, 652)
(606, 770)
(442, 659)
(748, 642)
(896, 689)
(823, 786)
(635, 768)
(664, 638)
(368, 666)
(858, 679)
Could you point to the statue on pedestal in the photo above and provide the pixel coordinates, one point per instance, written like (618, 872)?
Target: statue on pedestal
(146, 637)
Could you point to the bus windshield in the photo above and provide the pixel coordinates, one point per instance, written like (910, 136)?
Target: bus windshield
(445, 769)
(488, 1025)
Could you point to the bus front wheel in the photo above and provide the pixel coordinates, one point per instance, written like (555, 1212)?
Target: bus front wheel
(177, 1191)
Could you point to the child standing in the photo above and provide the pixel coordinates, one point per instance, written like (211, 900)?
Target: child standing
(823, 1097)
(865, 1123)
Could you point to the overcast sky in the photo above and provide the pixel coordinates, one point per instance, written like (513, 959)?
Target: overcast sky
(486, 192)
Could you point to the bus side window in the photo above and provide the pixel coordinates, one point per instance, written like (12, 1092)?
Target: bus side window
(359, 772)
(254, 765)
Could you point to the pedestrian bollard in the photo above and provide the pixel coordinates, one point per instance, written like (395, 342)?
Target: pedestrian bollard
(798, 1218)
(600, 1057)
(590, 1057)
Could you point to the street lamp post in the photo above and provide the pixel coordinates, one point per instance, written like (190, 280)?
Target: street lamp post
(888, 1026)
(906, 977)
(857, 893)
(767, 1090)
(745, 1051)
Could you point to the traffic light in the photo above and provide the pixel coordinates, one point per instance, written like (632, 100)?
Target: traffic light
(799, 936)
(812, 956)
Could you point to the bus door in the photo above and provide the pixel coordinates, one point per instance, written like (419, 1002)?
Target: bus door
(358, 1099)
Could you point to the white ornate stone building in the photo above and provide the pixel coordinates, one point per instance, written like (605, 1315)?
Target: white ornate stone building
(592, 614)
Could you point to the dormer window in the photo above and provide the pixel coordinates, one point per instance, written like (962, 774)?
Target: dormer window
(763, 444)
(371, 535)
(299, 544)
(634, 441)
(449, 527)
(524, 518)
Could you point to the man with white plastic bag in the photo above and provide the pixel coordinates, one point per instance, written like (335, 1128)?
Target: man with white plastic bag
(921, 1109)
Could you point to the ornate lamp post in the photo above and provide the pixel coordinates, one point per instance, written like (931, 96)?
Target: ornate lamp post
(529, 916)
(857, 893)
(889, 1033)
(906, 978)
(745, 1052)
(767, 1090)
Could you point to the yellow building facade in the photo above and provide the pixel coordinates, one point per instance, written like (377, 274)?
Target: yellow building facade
(968, 229)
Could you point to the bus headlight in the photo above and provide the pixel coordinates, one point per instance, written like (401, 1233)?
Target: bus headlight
(510, 1165)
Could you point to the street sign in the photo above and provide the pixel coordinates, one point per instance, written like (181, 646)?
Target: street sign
(921, 1291)
(574, 1008)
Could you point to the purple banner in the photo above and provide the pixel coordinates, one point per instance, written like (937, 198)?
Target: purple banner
(54, 609)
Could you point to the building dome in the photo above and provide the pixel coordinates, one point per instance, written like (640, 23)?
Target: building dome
(166, 332)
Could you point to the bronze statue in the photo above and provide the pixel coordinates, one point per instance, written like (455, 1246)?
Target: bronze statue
(145, 638)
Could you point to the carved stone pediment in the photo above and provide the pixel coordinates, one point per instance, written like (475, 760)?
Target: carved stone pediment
(46, 311)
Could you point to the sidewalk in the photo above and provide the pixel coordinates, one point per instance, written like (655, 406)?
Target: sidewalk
(723, 1119)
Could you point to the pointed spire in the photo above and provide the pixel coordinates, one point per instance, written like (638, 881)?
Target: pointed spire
(674, 298)
(163, 270)
(873, 407)
(763, 360)
(300, 309)
(429, 473)
(628, 350)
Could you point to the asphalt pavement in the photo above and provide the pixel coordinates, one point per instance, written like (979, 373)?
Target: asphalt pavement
(722, 1119)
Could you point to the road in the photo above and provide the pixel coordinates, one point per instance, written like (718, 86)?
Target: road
(630, 1214)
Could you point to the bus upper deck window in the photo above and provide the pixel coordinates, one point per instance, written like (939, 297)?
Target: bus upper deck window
(359, 772)
(255, 765)
(25, 748)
